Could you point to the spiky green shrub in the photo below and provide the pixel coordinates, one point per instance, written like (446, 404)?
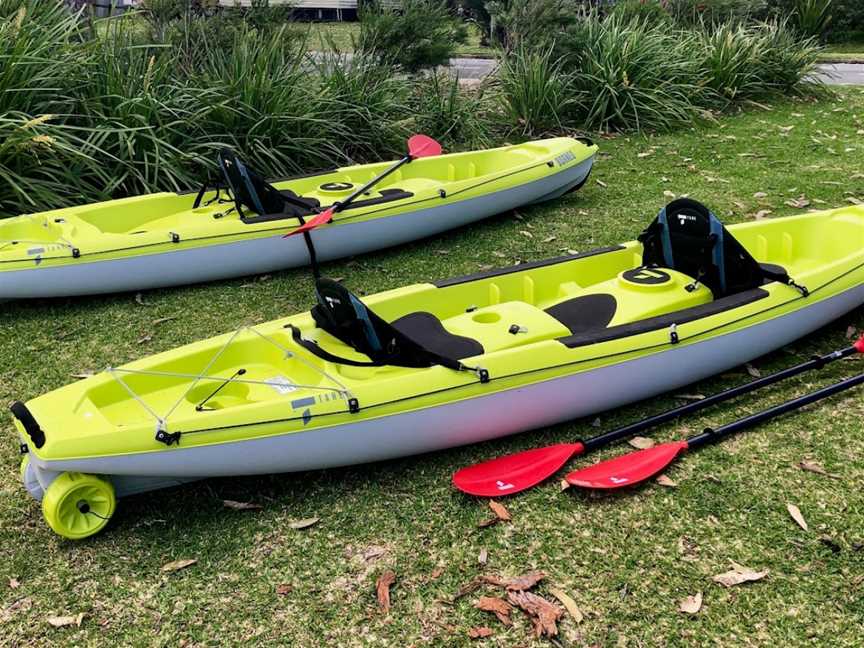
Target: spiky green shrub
(696, 13)
(459, 118)
(633, 74)
(812, 17)
(413, 34)
(536, 93)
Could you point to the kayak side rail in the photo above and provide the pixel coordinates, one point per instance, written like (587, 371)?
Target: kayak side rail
(31, 427)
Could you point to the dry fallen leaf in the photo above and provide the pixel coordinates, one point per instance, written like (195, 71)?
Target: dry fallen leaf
(524, 582)
(436, 573)
(691, 604)
(139, 299)
(568, 603)
(737, 575)
(762, 213)
(63, 621)
(753, 371)
(850, 332)
(663, 480)
(543, 613)
(471, 586)
(479, 633)
(305, 523)
(177, 565)
(483, 556)
(14, 583)
(498, 606)
(602, 184)
(795, 512)
(500, 511)
(691, 397)
(564, 485)
(241, 506)
(642, 443)
(759, 195)
(816, 467)
(83, 375)
(382, 587)
(284, 588)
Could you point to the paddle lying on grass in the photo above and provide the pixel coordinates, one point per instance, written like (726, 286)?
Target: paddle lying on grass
(518, 472)
(419, 146)
(636, 467)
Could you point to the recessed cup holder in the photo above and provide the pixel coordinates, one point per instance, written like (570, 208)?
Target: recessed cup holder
(486, 318)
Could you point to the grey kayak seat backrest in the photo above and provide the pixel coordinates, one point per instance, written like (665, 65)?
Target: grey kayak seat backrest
(252, 192)
(686, 236)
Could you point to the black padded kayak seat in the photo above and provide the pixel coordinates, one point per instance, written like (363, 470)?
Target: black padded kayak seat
(415, 340)
(252, 192)
(429, 332)
(586, 313)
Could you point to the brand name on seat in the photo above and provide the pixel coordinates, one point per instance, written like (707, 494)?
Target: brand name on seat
(332, 300)
(564, 158)
(682, 218)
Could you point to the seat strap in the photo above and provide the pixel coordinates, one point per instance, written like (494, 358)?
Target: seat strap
(314, 349)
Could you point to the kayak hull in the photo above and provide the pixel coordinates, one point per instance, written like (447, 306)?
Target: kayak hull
(461, 422)
(270, 253)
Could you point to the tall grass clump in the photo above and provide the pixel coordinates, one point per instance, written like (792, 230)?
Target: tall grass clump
(536, 93)
(633, 74)
(459, 118)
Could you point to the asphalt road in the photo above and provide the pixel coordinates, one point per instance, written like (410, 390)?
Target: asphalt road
(833, 73)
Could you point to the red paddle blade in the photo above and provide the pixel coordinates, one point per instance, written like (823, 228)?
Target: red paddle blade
(319, 219)
(420, 146)
(514, 473)
(629, 469)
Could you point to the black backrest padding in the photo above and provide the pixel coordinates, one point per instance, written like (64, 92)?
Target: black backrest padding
(688, 238)
(585, 313)
(348, 319)
(249, 188)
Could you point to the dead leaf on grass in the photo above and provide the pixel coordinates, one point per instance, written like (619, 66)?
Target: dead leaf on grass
(469, 587)
(524, 582)
(737, 575)
(479, 633)
(63, 621)
(850, 332)
(795, 512)
(602, 184)
(382, 587)
(162, 320)
(663, 480)
(642, 443)
(177, 565)
(799, 203)
(497, 606)
(568, 603)
(284, 588)
(304, 523)
(564, 485)
(483, 557)
(816, 467)
(544, 614)
(691, 604)
(241, 506)
(760, 195)
(139, 299)
(500, 511)
(14, 583)
(691, 397)
(83, 375)
(753, 371)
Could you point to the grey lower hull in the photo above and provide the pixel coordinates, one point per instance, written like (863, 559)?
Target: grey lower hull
(272, 253)
(470, 421)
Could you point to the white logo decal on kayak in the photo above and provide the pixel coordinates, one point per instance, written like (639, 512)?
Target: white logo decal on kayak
(501, 486)
(564, 158)
(281, 384)
(618, 480)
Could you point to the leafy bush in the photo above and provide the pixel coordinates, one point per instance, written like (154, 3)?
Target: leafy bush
(459, 118)
(645, 10)
(716, 12)
(634, 74)
(415, 35)
(535, 92)
(529, 23)
(811, 17)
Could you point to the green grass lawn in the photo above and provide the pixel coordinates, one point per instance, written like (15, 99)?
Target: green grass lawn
(843, 52)
(626, 559)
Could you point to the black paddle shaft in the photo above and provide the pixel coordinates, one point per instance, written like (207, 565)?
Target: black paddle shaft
(339, 206)
(711, 435)
(817, 362)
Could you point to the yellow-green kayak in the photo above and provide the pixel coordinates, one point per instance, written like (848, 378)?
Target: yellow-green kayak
(436, 365)
(169, 239)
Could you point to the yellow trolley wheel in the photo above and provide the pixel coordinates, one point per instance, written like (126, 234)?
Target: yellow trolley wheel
(77, 505)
